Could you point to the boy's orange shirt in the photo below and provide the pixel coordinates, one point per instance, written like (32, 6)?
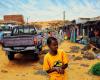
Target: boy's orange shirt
(55, 61)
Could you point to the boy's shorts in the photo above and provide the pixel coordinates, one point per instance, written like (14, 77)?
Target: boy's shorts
(62, 77)
(58, 78)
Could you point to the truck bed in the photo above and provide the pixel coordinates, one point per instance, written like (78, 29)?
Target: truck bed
(13, 41)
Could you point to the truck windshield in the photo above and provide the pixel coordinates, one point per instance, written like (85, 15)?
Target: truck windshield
(22, 31)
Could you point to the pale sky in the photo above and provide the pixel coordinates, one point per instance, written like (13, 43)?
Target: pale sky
(41, 10)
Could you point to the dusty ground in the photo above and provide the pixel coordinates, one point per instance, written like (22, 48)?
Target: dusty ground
(24, 68)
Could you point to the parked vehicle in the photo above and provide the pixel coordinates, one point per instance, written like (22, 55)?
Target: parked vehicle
(5, 30)
(23, 39)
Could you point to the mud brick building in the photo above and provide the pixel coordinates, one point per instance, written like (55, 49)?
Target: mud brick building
(16, 18)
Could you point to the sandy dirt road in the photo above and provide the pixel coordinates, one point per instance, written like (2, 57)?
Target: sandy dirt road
(24, 68)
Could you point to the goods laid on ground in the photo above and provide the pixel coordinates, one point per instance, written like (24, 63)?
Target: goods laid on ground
(89, 55)
(74, 49)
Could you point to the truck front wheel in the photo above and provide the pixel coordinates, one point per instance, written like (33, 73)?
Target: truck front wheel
(10, 55)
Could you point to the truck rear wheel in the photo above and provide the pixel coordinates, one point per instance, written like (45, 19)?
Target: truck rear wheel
(39, 48)
(10, 55)
(35, 56)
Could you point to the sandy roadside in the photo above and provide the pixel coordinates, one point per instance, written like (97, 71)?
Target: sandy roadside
(23, 68)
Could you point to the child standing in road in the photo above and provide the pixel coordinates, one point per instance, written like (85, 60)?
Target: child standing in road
(55, 61)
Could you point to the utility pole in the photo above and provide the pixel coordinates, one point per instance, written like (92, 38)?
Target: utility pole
(64, 17)
(27, 21)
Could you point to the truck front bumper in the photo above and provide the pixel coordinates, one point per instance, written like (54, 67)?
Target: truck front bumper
(33, 48)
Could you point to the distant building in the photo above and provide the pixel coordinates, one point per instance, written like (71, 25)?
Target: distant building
(82, 20)
(18, 19)
(95, 18)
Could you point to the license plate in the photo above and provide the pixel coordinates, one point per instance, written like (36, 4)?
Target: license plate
(17, 48)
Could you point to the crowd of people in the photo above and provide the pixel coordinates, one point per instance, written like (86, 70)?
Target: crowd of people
(73, 34)
(59, 35)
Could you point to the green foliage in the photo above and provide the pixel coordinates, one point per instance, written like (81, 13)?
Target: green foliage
(95, 69)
